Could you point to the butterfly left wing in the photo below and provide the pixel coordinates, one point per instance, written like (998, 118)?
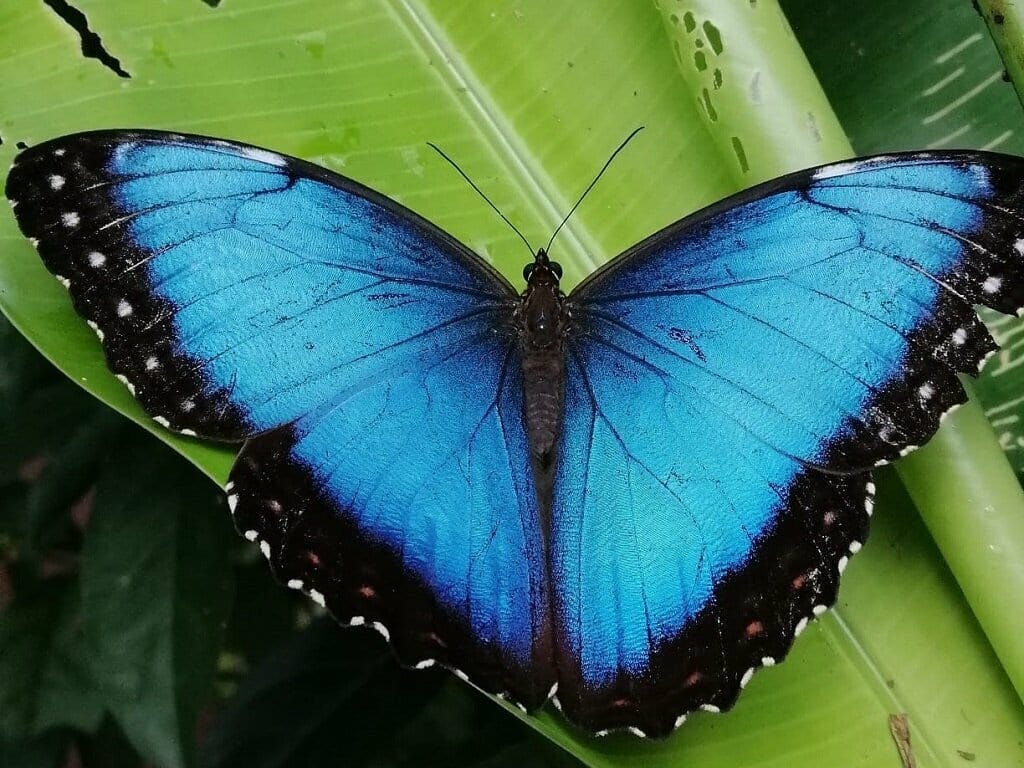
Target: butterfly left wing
(730, 384)
(364, 353)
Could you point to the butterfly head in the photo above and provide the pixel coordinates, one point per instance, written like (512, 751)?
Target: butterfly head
(542, 271)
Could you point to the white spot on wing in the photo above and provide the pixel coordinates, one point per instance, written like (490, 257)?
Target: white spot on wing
(1019, 246)
(926, 390)
(152, 363)
(746, 677)
(265, 549)
(959, 337)
(63, 281)
(162, 421)
(855, 547)
(188, 432)
(356, 621)
(59, 152)
(637, 732)
(96, 259)
(56, 181)
(424, 664)
(232, 502)
(95, 329)
(382, 629)
(187, 406)
(768, 661)
(800, 627)
(711, 708)
(843, 561)
(991, 284)
(680, 720)
(819, 609)
(295, 583)
(318, 598)
(128, 384)
(70, 219)
(264, 156)
(124, 308)
(251, 535)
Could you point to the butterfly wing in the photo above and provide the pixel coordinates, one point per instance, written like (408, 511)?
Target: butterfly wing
(730, 384)
(234, 288)
(242, 294)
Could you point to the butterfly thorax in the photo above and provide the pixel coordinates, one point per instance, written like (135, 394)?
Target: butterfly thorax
(542, 322)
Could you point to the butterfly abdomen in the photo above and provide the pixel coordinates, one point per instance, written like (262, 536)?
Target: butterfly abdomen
(543, 397)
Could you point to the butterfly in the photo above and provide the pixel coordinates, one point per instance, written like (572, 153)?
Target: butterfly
(627, 498)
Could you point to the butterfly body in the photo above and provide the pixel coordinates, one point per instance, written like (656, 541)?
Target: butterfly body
(544, 323)
(628, 497)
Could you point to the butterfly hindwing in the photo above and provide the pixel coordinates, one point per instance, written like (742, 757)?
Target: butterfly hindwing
(406, 507)
(363, 352)
(731, 383)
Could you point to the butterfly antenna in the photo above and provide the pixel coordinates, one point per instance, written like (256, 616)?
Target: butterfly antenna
(604, 168)
(480, 192)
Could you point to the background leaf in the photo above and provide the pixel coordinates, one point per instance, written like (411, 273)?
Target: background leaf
(156, 590)
(45, 679)
(529, 98)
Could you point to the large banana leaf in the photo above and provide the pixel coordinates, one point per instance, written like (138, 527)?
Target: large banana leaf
(530, 97)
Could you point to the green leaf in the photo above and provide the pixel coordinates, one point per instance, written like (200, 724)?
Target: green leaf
(70, 471)
(156, 591)
(44, 677)
(530, 99)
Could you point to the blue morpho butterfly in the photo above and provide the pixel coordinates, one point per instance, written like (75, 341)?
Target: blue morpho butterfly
(629, 497)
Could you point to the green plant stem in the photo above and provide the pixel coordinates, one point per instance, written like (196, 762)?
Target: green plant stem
(962, 484)
(973, 505)
(1005, 19)
(755, 90)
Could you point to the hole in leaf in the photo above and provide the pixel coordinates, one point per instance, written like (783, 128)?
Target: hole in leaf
(714, 37)
(708, 106)
(741, 153)
(92, 46)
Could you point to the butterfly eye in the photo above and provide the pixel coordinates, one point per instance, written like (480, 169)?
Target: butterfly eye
(556, 268)
(528, 270)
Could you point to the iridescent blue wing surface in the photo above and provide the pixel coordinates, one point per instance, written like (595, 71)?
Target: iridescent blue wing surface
(730, 383)
(363, 353)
